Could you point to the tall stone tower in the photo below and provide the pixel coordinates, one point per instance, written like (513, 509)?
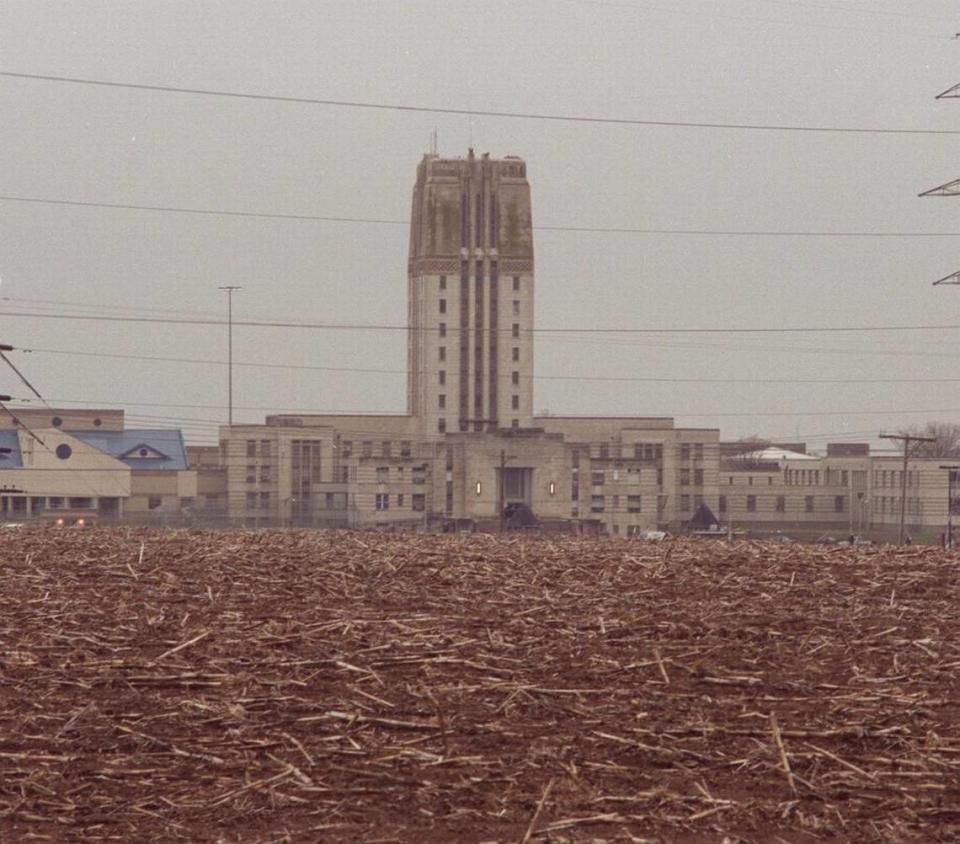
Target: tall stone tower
(470, 296)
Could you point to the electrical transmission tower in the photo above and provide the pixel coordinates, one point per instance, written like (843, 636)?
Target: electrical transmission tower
(950, 188)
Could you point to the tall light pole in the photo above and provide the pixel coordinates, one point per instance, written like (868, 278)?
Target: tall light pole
(230, 289)
(951, 476)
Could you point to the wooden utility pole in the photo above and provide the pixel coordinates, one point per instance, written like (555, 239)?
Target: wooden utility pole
(907, 439)
(500, 494)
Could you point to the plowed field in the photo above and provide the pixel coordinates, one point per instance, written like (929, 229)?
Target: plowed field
(288, 686)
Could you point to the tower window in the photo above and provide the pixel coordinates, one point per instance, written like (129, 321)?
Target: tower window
(442, 376)
(443, 306)
(515, 402)
(516, 282)
(442, 401)
(443, 282)
(516, 307)
(443, 329)
(442, 353)
(516, 377)
(516, 354)
(442, 425)
(516, 329)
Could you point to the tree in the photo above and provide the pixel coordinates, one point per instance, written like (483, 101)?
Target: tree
(947, 440)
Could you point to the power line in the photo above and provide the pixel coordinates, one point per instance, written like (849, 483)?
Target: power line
(600, 378)
(514, 115)
(545, 228)
(454, 329)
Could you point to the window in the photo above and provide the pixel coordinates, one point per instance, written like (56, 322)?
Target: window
(442, 377)
(383, 474)
(443, 329)
(597, 504)
(781, 504)
(596, 478)
(659, 477)
(770, 480)
(514, 423)
(698, 477)
(404, 448)
(264, 474)
(251, 474)
(685, 451)
(443, 306)
(516, 307)
(442, 401)
(840, 504)
(808, 504)
(442, 425)
(698, 451)
(419, 502)
(346, 449)
(722, 504)
(366, 448)
(516, 282)
(751, 504)
(684, 477)
(516, 329)
(685, 503)
(251, 448)
(400, 500)
(633, 504)
(514, 402)
(443, 282)
(251, 501)
(264, 500)
(844, 477)
(633, 475)
(515, 378)
(442, 353)
(264, 448)
(515, 354)
(383, 501)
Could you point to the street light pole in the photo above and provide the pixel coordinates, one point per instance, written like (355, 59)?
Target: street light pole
(951, 474)
(230, 289)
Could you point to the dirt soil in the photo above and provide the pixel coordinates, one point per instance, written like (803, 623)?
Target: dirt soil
(324, 686)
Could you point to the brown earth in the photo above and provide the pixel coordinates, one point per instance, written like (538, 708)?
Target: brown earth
(288, 686)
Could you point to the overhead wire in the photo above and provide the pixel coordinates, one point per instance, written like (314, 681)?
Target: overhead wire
(641, 379)
(513, 115)
(605, 330)
(701, 232)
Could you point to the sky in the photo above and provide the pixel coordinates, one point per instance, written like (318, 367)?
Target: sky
(875, 64)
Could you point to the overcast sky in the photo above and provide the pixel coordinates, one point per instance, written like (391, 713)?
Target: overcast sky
(869, 63)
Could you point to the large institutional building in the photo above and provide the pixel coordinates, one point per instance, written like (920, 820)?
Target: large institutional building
(469, 451)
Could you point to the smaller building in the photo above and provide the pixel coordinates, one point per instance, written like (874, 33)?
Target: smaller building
(848, 490)
(87, 462)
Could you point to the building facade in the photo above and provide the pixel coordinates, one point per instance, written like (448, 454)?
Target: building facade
(469, 452)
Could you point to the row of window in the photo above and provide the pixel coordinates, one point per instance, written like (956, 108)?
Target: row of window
(650, 452)
(367, 449)
(516, 282)
(418, 474)
(418, 501)
(442, 307)
(442, 355)
(780, 504)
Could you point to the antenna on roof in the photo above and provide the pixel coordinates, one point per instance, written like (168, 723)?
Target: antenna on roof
(433, 141)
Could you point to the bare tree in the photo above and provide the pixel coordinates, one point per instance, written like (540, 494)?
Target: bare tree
(947, 435)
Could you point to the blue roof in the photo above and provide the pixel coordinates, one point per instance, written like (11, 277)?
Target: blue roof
(9, 439)
(165, 444)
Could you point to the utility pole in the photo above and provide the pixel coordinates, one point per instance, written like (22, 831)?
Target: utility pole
(504, 457)
(230, 289)
(951, 476)
(907, 440)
